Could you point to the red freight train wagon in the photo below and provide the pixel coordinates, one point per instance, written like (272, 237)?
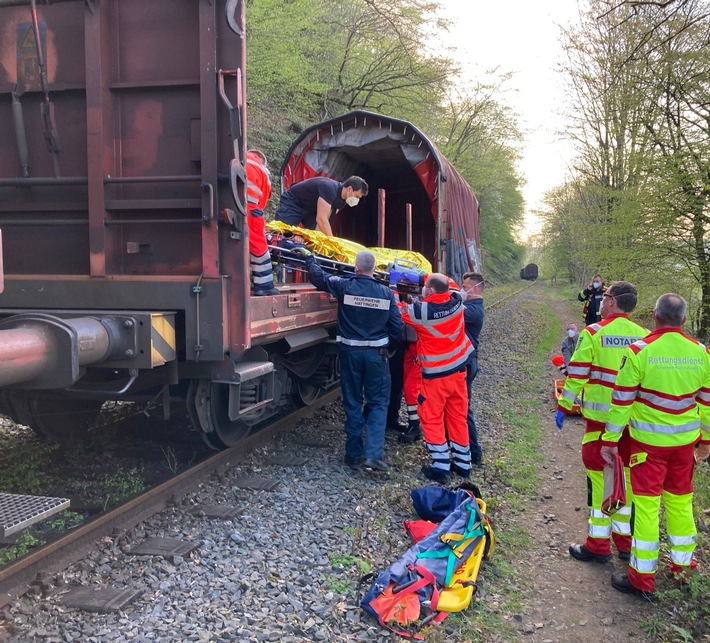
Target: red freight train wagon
(122, 203)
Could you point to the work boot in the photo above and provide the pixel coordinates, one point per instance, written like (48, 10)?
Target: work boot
(464, 473)
(622, 583)
(624, 555)
(267, 292)
(374, 465)
(580, 552)
(396, 427)
(412, 434)
(437, 475)
(683, 573)
(352, 461)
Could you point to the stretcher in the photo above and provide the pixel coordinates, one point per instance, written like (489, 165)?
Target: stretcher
(343, 250)
(559, 387)
(457, 595)
(437, 575)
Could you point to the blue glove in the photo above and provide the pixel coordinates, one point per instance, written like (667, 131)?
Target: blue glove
(395, 276)
(560, 419)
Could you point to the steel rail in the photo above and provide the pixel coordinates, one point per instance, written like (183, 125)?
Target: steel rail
(16, 578)
(502, 300)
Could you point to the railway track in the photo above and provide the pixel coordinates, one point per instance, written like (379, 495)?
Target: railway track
(16, 577)
(285, 566)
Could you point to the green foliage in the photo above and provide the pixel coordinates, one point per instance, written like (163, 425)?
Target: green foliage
(22, 546)
(636, 208)
(309, 60)
(66, 520)
(347, 561)
(24, 468)
(118, 487)
(341, 586)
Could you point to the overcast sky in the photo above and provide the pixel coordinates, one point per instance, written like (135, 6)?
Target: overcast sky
(522, 37)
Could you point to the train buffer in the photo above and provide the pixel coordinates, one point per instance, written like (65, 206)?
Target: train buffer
(18, 512)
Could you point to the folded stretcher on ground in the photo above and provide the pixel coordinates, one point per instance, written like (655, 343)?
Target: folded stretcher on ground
(437, 575)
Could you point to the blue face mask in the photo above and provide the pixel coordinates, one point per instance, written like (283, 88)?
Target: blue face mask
(571, 333)
(596, 284)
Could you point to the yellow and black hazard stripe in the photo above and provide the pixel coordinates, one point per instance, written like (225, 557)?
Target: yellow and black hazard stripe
(162, 339)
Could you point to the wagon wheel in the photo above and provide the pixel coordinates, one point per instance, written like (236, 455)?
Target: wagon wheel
(54, 416)
(306, 393)
(207, 405)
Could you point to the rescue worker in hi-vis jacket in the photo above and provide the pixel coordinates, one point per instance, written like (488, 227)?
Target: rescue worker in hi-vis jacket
(591, 373)
(663, 393)
(443, 350)
(411, 384)
(258, 193)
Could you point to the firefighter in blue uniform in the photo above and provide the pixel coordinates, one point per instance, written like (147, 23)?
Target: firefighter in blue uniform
(368, 322)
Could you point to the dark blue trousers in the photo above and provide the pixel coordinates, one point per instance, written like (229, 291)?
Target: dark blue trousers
(364, 370)
(476, 451)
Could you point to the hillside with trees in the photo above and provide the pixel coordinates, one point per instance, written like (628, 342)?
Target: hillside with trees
(636, 204)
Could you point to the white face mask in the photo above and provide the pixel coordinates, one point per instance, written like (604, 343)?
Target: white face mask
(595, 284)
(571, 333)
(352, 201)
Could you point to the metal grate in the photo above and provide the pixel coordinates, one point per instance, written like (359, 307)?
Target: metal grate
(18, 511)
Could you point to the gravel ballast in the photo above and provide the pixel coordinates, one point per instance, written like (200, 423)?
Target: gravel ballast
(287, 568)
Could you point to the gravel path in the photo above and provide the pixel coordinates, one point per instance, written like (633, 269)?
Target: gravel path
(286, 568)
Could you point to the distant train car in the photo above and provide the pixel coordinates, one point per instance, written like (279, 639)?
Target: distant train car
(124, 255)
(529, 272)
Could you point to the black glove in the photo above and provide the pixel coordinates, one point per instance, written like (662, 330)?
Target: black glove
(303, 252)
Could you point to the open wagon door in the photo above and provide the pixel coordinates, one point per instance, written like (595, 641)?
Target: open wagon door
(405, 171)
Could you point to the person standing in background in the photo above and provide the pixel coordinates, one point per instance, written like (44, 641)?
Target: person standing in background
(569, 343)
(473, 314)
(592, 298)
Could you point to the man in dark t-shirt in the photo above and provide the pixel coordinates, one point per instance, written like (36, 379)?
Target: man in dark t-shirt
(312, 202)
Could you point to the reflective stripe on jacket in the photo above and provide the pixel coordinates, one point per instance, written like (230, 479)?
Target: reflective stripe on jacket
(442, 344)
(368, 316)
(595, 363)
(662, 391)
